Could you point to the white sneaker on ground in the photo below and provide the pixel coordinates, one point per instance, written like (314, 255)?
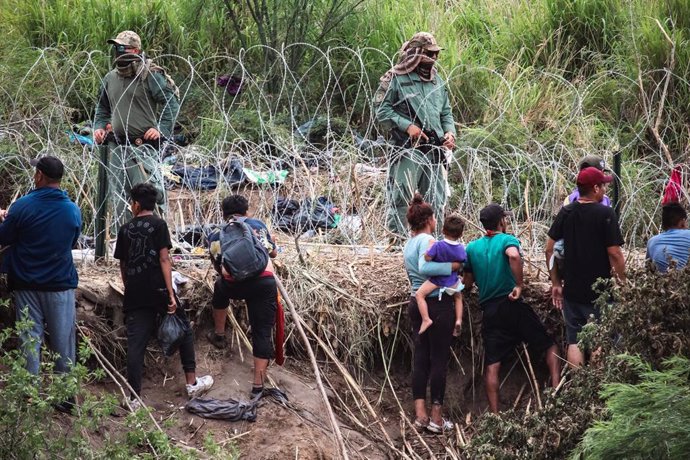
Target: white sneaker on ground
(132, 404)
(202, 385)
(446, 425)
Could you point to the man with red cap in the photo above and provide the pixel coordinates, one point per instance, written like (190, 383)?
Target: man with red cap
(593, 241)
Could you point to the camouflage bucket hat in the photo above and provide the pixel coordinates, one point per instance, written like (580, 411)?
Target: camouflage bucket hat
(127, 38)
(424, 40)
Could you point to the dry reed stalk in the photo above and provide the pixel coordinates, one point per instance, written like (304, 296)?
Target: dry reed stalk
(352, 383)
(115, 376)
(424, 444)
(534, 378)
(342, 449)
(387, 366)
(519, 396)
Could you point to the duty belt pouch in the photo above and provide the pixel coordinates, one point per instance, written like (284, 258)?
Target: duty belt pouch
(139, 141)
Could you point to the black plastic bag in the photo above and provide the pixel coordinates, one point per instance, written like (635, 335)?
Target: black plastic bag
(322, 213)
(292, 217)
(171, 333)
(284, 211)
(233, 410)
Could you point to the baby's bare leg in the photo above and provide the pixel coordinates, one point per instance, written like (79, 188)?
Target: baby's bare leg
(458, 313)
(425, 289)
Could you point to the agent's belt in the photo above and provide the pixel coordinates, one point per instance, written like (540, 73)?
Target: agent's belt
(125, 140)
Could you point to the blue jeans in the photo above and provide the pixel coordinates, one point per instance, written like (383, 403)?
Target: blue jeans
(54, 314)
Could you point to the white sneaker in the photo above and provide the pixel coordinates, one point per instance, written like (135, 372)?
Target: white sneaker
(202, 385)
(132, 404)
(446, 425)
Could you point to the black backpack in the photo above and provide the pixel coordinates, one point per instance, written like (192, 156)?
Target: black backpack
(242, 254)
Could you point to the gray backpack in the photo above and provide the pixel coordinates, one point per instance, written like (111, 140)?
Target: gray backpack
(242, 254)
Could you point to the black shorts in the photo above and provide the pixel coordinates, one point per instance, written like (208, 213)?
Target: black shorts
(506, 323)
(261, 295)
(576, 315)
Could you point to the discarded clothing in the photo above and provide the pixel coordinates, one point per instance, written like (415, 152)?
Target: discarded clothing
(266, 177)
(78, 138)
(291, 217)
(231, 409)
(232, 84)
(196, 235)
(208, 177)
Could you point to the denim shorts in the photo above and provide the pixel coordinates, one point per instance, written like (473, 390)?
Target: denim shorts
(576, 315)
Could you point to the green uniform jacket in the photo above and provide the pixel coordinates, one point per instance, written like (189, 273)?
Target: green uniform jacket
(428, 99)
(133, 105)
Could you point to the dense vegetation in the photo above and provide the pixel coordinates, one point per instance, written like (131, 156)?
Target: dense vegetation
(535, 85)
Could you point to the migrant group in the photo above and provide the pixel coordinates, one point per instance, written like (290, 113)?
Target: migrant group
(136, 110)
(583, 245)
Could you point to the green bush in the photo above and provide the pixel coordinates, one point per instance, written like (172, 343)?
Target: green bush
(29, 427)
(649, 419)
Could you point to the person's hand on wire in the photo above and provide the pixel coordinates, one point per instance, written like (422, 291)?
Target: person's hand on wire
(152, 135)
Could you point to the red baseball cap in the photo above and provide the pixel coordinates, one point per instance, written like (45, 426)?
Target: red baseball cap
(592, 176)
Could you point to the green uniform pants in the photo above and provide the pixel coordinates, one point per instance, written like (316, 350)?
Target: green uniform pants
(414, 171)
(130, 165)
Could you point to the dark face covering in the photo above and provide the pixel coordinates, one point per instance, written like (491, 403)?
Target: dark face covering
(425, 66)
(127, 64)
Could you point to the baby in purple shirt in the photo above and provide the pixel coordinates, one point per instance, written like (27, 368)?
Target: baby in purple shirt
(448, 250)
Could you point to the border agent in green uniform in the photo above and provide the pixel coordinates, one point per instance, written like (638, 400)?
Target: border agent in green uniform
(412, 102)
(140, 102)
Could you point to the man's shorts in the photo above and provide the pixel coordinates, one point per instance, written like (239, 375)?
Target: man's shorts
(261, 295)
(577, 315)
(505, 324)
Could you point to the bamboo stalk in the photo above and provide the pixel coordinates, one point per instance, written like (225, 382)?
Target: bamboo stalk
(317, 374)
(115, 375)
(533, 376)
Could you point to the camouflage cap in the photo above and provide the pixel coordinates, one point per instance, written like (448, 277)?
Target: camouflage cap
(127, 38)
(424, 40)
(593, 161)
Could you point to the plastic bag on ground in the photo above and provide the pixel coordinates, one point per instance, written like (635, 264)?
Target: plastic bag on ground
(231, 409)
(171, 332)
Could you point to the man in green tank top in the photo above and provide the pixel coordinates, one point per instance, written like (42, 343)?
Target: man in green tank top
(138, 104)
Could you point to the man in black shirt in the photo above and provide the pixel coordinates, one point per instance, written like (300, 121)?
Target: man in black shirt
(592, 240)
(142, 248)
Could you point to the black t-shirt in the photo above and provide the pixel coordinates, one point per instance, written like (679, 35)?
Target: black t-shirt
(139, 243)
(587, 230)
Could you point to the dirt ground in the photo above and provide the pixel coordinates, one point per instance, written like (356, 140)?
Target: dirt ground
(299, 431)
(302, 429)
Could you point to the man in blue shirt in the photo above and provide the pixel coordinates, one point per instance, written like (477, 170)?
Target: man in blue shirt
(673, 243)
(41, 228)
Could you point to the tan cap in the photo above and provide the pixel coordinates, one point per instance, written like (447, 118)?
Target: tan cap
(593, 161)
(127, 38)
(424, 40)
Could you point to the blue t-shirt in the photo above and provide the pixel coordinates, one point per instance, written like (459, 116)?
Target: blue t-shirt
(418, 269)
(673, 244)
(41, 229)
(446, 251)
